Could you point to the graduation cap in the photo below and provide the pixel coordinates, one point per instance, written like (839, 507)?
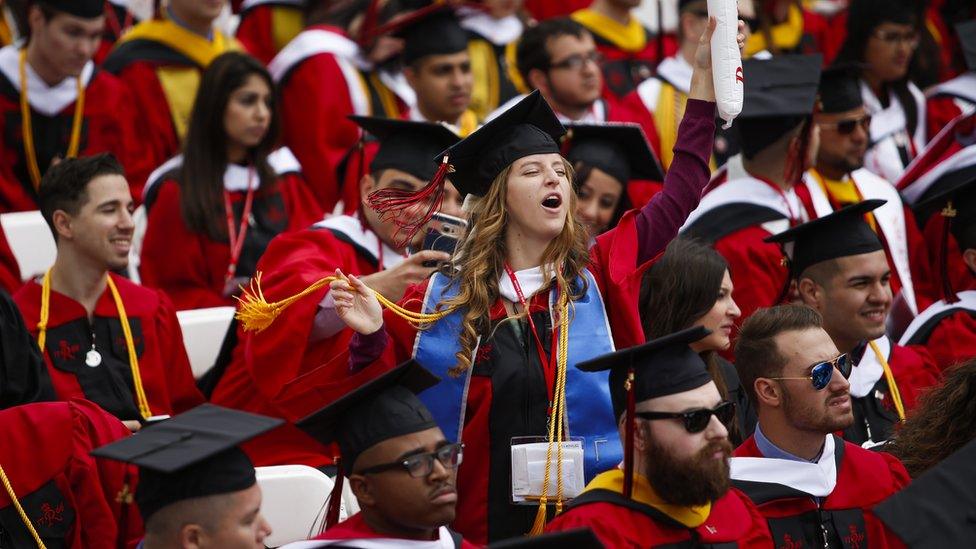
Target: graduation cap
(840, 88)
(191, 455)
(577, 538)
(842, 233)
(620, 150)
(529, 127)
(967, 39)
(406, 145)
(431, 30)
(660, 367)
(779, 93)
(86, 9)
(955, 200)
(936, 509)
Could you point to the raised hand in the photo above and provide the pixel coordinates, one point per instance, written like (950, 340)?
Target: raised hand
(356, 304)
(701, 78)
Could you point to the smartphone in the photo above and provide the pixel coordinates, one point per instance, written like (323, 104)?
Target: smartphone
(443, 234)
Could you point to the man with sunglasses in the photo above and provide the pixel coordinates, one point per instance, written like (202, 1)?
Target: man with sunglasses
(839, 267)
(400, 465)
(813, 488)
(674, 485)
(838, 179)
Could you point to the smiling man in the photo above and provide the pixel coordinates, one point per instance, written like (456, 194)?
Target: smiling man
(841, 270)
(105, 339)
(815, 489)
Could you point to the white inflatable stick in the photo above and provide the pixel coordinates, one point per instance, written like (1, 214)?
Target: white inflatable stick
(726, 60)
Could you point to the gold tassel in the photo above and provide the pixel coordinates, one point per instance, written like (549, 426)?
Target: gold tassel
(540, 519)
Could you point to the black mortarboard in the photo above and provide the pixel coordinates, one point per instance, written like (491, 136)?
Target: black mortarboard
(383, 408)
(966, 32)
(956, 192)
(663, 366)
(842, 233)
(406, 145)
(191, 455)
(779, 93)
(432, 30)
(840, 88)
(577, 538)
(620, 150)
(86, 9)
(936, 509)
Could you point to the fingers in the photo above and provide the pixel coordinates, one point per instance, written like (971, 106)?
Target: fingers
(430, 255)
(707, 35)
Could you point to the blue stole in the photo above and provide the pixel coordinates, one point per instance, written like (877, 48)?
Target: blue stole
(589, 411)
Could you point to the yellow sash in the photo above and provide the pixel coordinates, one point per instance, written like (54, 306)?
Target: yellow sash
(785, 35)
(484, 70)
(468, 123)
(511, 60)
(613, 480)
(630, 38)
(388, 99)
(843, 192)
(286, 23)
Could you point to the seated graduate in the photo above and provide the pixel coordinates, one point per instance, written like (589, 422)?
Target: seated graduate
(103, 338)
(690, 285)
(674, 488)
(400, 466)
(606, 158)
(310, 334)
(493, 34)
(213, 209)
(197, 489)
(841, 270)
(813, 487)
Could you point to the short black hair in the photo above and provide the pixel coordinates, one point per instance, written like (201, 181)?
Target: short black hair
(531, 52)
(64, 185)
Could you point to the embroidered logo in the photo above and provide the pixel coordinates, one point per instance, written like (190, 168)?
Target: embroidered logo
(51, 515)
(483, 354)
(124, 496)
(855, 539)
(789, 543)
(738, 75)
(711, 529)
(67, 351)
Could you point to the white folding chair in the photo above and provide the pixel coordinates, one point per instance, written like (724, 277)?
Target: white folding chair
(140, 219)
(203, 334)
(31, 242)
(294, 502)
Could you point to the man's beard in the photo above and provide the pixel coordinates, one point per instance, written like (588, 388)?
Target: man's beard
(696, 481)
(809, 419)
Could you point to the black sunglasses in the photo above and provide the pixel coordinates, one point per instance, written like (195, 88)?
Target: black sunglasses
(576, 62)
(823, 372)
(421, 465)
(847, 127)
(696, 420)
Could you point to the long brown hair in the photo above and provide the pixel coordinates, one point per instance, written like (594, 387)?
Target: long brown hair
(943, 422)
(481, 259)
(201, 177)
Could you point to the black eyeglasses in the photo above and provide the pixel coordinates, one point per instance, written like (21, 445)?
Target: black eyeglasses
(421, 465)
(847, 127)
(576, 62)
(823, 372)
(696, 420)
(909, 38)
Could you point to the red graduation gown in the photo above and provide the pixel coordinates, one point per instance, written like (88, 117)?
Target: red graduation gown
(68, 495)
(109, 125)
(190, 266)
(947, 331)
(355, 528)
(864, 479)
(265, 28)
(163, 364)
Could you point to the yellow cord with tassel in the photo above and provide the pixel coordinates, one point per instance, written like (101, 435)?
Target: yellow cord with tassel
(20, 510)
(890, 377)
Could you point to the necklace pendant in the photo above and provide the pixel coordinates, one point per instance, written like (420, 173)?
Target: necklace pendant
(93, 358)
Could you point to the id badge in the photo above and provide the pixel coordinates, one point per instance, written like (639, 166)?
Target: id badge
(529, 469)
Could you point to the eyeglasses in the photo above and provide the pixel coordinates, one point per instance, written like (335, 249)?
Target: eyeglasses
(892, 38)
(847, 127)
(576, 62)
(421, 465)
(823, 372)
(696, 420)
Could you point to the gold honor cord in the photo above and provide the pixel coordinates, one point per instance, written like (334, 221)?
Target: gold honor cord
(20, 510)
(892, 386)
(141, 399)
(28, 131)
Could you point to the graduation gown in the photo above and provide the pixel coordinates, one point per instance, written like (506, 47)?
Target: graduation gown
(491, 46)
(804, 501)
(23, 376)
(266, 26)
(354, 529)
(622, 522)
(190, 266)
(67, 494)
(875, 414)
(945, 101)
(10, 277)
(163, 364)
(108, 125)
(162, 63)
(946, 330)
(893, 143)
(265, 366)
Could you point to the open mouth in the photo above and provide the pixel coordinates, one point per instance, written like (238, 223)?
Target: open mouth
(552, 201)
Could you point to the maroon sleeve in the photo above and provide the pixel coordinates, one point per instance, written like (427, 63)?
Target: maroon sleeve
(659, 221)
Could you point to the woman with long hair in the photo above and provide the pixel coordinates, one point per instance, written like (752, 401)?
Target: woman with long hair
(213, 209)
(688, 286)
(522, 302)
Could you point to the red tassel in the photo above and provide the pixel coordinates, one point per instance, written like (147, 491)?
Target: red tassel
(947, 292)
(629, 432)
(335, 498)
(410, 210)
(369, 23)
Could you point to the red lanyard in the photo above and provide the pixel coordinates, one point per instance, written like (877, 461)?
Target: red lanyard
(237, 239)
(794, 217)
(548, 363)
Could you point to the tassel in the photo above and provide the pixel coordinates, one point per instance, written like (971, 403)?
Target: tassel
(629, 432)
(256, 314)
(366, 30)
(539, 525)
(335, 498)
(947, 292)
(410, 210)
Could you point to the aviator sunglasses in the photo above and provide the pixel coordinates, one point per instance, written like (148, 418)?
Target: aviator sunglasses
(822, 372)
(695, 421)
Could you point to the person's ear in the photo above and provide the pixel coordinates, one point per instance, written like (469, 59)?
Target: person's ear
(811, 293)
(539, 81)
(411, 75)
(641, 436)
(362, 489)
(969, 256)
(366, 185)
(191, 536)
(768, 392)
(62, 224)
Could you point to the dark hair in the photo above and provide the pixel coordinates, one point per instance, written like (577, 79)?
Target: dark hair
(205, 151)
(943, 422)
(756, 352)
(64, 185)
(582, 171)
(531, 52)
